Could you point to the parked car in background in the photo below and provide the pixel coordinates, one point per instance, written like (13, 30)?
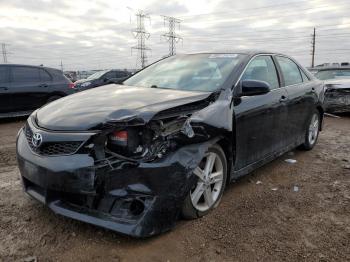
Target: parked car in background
(134, 157)
(101, 78)
(25, 88)
(71, 75)
(337, 83)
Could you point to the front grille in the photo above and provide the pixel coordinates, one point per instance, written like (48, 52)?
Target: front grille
(52, 148)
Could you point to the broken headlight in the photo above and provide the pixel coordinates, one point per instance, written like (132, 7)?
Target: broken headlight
(151, 141)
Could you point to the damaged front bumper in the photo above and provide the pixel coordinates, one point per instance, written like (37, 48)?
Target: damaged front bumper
(140, 201)
(337, 100)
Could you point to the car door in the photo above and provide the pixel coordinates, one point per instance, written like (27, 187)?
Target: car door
(300, 102)
(261, 119)
(46, 87)
(5, 90)
(27, 88)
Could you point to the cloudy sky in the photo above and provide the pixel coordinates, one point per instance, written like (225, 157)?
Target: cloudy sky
(98, 34)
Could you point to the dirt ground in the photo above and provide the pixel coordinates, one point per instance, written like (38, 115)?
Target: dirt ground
(297, 212)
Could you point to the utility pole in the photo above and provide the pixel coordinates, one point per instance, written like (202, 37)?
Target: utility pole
(4, 52)
(171, 36)
(61, 66)
(141, 34)
(313, 45)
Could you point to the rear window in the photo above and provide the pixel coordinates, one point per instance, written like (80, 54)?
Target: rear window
(305, 77)
(290, 71)
(121, 74)
(44, 76)
(25, 74)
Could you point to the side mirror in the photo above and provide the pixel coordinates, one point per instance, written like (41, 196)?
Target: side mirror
(254, 88)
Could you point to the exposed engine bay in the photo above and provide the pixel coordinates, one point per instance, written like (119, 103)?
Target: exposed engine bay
(136, 141)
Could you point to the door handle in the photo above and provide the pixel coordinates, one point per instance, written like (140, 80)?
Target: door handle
(4, 88)
(283, 99)
(43, 85)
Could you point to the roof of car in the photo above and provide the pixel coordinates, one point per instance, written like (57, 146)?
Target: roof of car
(332, 68)
(38, 66)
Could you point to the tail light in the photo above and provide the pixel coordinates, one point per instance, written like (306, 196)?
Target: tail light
(71, 85)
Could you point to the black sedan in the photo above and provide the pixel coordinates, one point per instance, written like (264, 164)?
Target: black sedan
(337, 83)
(135, 157)
(101, 78)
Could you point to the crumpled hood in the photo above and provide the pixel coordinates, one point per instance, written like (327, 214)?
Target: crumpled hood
(338, 83)
(89, 109)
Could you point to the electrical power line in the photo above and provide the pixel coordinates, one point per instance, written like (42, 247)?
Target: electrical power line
(274, 6)
(141, 34)
(4, 52)
(171, 36)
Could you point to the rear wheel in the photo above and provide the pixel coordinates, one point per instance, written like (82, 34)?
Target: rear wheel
(211, 176)
(312, 131)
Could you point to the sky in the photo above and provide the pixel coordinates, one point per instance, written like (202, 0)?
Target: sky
(88, 35)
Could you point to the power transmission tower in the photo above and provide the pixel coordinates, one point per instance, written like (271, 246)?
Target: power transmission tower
(141, 34)
(4, 52)
(313, 46)
(171, 36)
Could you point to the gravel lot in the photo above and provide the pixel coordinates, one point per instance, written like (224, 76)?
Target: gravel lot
(305, 218)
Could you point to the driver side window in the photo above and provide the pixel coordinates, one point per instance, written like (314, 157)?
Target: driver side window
(262, 68)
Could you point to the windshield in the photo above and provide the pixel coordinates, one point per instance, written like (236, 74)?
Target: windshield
(333, 74)
(202, 72)
(96, 75)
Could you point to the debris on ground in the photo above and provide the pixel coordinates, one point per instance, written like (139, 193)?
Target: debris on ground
(346, 166)
(290, 161)
(258, 182)
(295, 188)
(30, 259)
(331, 115)
(274, 189)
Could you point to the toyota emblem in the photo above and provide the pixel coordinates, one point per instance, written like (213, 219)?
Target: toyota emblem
(37, 139)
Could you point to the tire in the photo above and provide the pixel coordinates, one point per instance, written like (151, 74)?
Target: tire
(52, 98)
(196, 203)
(312, 131)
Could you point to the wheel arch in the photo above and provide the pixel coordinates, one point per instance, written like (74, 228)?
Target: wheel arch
(321, 112)
(226, 143)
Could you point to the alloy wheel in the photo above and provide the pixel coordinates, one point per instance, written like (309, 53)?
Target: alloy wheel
(313, 129)
(210, 173)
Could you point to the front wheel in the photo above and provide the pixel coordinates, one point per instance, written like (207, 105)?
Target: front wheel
(312, 131)
(206, 194)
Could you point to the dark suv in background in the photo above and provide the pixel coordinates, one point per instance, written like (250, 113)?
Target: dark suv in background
(101, 78)
(25, 88)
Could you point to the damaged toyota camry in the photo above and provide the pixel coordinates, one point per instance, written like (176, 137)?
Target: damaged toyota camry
(135, 157)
